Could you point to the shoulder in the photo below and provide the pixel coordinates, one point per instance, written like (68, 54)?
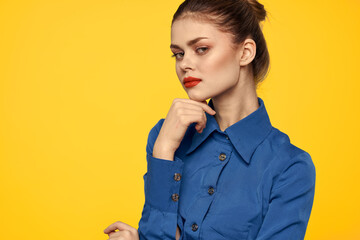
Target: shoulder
(289, 160)
(284, 150)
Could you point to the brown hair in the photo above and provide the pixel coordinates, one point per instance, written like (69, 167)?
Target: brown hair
(241, 18)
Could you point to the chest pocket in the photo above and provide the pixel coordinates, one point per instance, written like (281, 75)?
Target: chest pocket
(229, 233)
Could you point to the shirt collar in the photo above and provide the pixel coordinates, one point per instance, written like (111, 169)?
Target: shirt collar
(245, 135)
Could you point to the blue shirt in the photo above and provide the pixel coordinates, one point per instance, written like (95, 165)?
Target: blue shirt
(247, 182)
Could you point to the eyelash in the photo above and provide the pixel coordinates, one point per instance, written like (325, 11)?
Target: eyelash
(206, 48)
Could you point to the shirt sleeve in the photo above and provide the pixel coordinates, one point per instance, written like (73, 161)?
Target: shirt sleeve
(291, 201)
(159, 215)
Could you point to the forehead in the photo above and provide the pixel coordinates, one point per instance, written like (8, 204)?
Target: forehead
(186, 29)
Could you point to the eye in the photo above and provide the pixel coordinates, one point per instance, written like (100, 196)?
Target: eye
(176, 55)
(202, 49)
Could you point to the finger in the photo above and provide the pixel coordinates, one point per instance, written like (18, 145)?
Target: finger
(117, 225)
(201, 124)
(191, 109)
(187, 105)
(188, 119)
(190, 105)
(203, 105)
(125, 234)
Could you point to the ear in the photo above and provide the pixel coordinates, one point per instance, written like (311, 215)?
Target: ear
(247, 52)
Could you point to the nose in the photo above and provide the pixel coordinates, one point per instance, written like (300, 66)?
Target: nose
(186, 63)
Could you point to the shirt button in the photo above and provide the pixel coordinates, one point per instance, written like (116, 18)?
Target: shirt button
(177, 176)
(194, 227)
(211, 190)
(175, 197)
(227, 137)
(222, 156)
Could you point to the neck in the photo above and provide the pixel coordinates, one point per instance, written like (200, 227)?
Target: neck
(235, 104)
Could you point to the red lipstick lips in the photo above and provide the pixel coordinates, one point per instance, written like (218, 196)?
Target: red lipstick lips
(191, 81)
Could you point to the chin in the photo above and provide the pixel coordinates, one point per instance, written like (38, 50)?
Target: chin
(197, 96)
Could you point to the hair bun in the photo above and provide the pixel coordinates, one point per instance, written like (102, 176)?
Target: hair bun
(258, 9)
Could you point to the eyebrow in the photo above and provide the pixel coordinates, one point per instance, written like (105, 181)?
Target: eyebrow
(189, 43)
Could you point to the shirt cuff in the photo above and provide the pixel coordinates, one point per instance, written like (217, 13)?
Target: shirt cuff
(163, 183)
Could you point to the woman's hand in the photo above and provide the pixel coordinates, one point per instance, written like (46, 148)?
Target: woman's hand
(126, 232)
(182, 113)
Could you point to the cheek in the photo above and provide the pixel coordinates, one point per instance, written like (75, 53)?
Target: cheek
(221, 68)
(178, 71)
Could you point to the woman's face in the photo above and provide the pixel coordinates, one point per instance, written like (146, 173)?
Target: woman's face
(202, 51)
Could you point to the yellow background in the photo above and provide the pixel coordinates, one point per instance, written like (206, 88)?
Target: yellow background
(83, 82)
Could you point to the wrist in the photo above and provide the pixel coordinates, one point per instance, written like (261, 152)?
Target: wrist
(163, 152)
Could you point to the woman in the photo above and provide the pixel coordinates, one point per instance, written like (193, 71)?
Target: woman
(221, 170)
